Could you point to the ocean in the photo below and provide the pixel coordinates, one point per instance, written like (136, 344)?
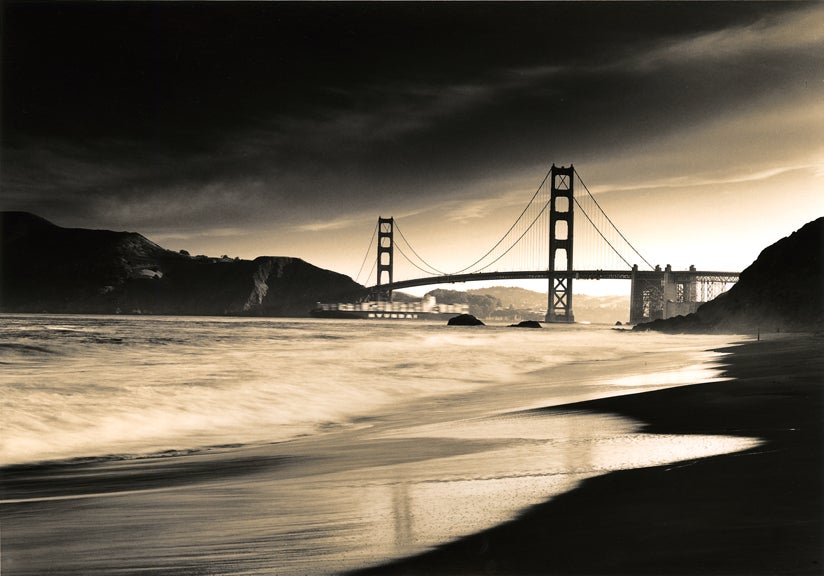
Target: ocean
(285, 446)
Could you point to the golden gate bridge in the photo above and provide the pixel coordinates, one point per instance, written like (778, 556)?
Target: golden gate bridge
(545, 242)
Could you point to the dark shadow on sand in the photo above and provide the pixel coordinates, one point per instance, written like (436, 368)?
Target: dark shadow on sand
(754, 512)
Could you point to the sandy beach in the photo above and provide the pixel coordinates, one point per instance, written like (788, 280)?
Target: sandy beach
(616, 499)
(754, 512)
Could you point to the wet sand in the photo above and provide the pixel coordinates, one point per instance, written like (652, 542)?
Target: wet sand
(446, 467)
(758, 511)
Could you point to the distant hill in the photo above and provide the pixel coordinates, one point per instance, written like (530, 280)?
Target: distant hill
(783, 290)
(512, 296)
(47, 268)
(480, 305)
(514, 303)
(595, 309)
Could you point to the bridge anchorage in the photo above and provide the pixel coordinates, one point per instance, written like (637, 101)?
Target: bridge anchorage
(540, 245)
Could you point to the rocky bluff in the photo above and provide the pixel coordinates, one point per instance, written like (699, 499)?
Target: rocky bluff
(47, 268)
(783, 290)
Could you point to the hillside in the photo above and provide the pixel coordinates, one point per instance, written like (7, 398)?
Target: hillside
(511, 303)
(595, 309)
(47, 268)
(783, 290)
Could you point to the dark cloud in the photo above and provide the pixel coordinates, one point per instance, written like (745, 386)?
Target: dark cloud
(167, 71)
(213, 115)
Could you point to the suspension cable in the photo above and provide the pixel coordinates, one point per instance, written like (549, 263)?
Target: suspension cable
(433, 270)
(425, 263)
(518, 219)
(528, 228)
(365, 256)
(611, 222)
(374, 264)
(413, 264)
(498, 243)
(584, 212)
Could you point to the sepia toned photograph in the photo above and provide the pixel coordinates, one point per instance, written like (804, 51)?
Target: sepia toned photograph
(411, 288)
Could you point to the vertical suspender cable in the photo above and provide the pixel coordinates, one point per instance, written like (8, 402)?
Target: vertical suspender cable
(610, 221)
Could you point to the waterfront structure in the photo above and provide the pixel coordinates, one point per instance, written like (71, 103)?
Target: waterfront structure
(426, 308)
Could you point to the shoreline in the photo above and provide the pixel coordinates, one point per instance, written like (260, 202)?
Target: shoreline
(758, 511)
(435, 470)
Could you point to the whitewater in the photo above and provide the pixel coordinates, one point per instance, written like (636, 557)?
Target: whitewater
(82, 386)
(295, 446)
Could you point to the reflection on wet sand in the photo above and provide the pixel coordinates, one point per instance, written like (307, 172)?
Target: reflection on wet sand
(465, 452)
(323, 506)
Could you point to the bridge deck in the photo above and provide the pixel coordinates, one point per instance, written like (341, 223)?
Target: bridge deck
(677, 276)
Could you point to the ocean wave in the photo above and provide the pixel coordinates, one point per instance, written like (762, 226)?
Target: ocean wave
(182, 384)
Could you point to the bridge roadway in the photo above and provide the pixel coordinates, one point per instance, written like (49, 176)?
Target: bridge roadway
(675, 275)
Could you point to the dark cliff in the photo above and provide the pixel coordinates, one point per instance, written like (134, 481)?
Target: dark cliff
(783, 290)
(47, 268)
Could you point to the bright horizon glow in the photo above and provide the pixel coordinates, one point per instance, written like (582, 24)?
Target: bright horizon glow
(699, 231)
(686, 247)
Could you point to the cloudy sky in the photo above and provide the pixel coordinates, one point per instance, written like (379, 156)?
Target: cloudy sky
(287, 128)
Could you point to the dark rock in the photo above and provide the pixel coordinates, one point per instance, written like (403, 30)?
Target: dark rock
(618, 323)
(526, 324)
(479, 304)
(465, 320)
(782, 290)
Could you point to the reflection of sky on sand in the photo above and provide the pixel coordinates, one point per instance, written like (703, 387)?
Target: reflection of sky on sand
(351, 499)
(424, 470)
(542, 456)
(695, 374)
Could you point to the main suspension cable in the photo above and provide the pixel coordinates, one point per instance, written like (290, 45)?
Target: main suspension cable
(498, 243)
(611, 222)
(528, 228)
(365, 256)
(374, 265)
(411, 262)
(584, 212)
(425, 263)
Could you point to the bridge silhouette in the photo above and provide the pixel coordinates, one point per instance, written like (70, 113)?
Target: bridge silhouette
(539, 245)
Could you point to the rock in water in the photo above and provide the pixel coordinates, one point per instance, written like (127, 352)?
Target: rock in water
(526, 324)
(465, 320)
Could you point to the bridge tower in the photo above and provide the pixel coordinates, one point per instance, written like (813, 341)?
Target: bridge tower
(561, 214)
(386, 255)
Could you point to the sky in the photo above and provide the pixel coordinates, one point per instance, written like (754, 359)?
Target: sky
(286, 129)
